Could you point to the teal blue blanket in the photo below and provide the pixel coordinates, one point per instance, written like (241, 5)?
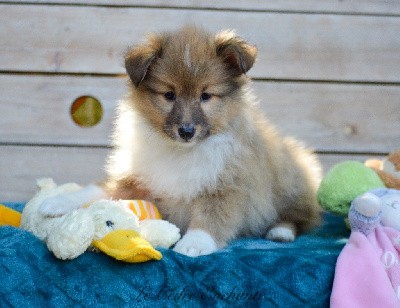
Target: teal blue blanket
(252, 272)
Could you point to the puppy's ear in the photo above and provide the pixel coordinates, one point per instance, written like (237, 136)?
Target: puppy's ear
(236, 53)
(139, 58)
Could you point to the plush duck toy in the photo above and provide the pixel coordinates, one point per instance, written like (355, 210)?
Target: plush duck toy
(110, 226)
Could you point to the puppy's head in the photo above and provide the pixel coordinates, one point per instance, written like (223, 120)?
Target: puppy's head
(188, 83)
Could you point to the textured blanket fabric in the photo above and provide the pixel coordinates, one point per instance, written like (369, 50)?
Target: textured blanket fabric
(249, 271)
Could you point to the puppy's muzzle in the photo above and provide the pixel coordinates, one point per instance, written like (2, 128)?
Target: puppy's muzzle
(187, 131)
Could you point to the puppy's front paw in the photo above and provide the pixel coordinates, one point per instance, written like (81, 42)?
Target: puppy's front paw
(281, 234)
(59, 205)
(159, 233)
(196, 243)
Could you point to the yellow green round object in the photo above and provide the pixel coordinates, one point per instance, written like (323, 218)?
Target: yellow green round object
(86, 111)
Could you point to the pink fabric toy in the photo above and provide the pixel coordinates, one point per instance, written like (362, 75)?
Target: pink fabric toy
(368, 269)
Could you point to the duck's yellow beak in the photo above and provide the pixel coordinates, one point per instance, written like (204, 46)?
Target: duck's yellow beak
(127, 246)
(9, 217)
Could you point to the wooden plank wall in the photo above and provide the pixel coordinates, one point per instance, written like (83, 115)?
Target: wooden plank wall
(328, 72)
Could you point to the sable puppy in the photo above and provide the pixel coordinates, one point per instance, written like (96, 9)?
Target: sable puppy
(190, 137)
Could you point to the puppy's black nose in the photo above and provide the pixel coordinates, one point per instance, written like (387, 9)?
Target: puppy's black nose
(187, 131)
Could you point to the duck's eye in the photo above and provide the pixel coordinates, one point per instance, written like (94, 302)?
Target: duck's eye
(170, 96)
(109, 223)
(205, 96)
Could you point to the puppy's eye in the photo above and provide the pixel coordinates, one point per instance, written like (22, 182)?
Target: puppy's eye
(205, 96)
(170, 96)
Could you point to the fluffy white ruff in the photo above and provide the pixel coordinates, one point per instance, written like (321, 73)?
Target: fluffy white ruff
(281, 234)
(185, 172)
(179, 171)
(196, 243)
(67, 202)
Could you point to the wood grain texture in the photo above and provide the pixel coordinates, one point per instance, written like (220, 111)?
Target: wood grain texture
(335, 117)
(36, 109)
(291, 46)
(328, 73)
(388, 7)
(328, 117)
(20, 166)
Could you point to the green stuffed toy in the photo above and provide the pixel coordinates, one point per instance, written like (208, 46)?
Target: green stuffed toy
(343, 183)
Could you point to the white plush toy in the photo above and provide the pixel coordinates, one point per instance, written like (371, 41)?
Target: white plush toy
(108, 225)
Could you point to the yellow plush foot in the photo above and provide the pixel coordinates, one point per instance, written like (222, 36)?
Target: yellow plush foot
(128, 246)
(9, 217)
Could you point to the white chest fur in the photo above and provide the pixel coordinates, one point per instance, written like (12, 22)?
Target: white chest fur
(183, 171)
(165, 167)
